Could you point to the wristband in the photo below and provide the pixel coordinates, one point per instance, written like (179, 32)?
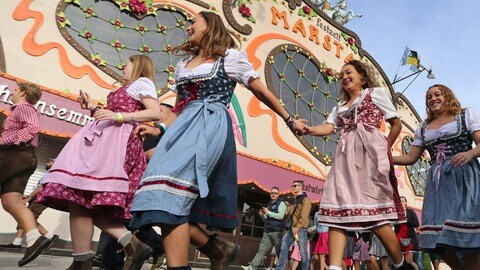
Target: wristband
(119, 118)
(290, 122)
(161, 126)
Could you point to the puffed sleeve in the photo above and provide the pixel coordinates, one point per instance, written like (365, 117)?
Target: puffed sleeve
(238, 68)
(381, 99)
(332, 117)
(142, 87)
(417, 137)
(472, 121)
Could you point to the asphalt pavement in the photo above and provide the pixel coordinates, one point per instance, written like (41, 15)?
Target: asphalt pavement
(9, 260)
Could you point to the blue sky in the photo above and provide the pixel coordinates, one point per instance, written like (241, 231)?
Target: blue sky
(444, 33)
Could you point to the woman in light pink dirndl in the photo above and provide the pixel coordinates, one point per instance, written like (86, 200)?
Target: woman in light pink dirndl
(361, 189)
(97, 173)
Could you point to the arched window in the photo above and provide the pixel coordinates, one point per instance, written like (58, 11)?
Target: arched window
(307, 88)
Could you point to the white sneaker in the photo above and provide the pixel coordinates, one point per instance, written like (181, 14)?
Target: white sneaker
(247, 267)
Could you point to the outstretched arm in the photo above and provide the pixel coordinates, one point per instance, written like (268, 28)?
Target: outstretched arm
(409, 158)
(321, 130)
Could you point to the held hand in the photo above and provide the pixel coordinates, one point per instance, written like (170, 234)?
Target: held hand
(299, 127)
(265, 210)
(146, 130)
(84, 100)
(260, 212)
(461, 159)
(105, 115)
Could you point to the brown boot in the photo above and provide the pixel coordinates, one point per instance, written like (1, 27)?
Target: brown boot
(136, 253)
(220, 252)
(81, 265)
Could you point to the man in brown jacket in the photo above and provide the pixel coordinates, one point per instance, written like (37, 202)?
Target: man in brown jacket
(296, 225)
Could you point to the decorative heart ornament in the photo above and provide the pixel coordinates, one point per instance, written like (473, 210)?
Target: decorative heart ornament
(108, 32)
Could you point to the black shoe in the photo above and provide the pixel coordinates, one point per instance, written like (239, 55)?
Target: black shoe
(33, 251)
(98, 260)
(52, 241)
(10, 246)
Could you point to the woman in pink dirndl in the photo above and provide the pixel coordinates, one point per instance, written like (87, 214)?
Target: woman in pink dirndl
(361, 189)
(97, 173)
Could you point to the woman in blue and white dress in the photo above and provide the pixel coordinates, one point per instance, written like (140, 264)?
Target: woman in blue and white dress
(451, 208)
(192, 176)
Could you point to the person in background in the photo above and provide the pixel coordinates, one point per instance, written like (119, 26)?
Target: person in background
(37, 209)
(295, 255)
(96, 174)
(360, 255)
(435, 259)
(320, 249)
(451, 206)
(361, 191)
(273, 215)
(296, 226)
(378, 251)
(407, 237)
(191, 178)
(18, 142)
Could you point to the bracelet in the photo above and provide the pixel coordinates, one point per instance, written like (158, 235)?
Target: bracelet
(161, 126)
(290, 122)
(119, 118)
(94, 110)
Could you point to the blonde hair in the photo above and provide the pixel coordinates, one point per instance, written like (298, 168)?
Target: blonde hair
(33, 93)
(142, 67)
(216, 39)
(368, 77)
(452, 105)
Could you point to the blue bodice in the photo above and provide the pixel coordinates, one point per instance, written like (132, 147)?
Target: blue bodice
(215, 85)
(452, 144)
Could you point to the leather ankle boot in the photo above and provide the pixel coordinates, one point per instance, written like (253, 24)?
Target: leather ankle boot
(220, 252)
(136, 253)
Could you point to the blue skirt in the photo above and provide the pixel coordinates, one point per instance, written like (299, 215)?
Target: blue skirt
(192, 175)
(451, 211)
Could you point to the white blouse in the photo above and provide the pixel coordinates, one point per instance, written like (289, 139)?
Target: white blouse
(236, 65)
(379, 98)
(141, 88)
(472, 123)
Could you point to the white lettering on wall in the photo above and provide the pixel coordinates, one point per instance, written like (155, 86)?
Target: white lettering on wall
(51, 110)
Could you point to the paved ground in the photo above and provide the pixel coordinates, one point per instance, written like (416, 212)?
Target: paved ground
(9, 260)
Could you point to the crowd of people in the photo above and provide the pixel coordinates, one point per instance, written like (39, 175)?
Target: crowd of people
(102, 178)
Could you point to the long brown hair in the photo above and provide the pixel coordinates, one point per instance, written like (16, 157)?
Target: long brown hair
(142, 67)
(216, 38)
(452, 105)
(368, 77)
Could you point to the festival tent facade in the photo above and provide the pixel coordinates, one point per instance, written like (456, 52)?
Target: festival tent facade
(298, 49)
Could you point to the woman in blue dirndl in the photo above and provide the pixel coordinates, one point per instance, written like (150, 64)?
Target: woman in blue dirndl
(451, 207)
(191, 178)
